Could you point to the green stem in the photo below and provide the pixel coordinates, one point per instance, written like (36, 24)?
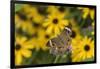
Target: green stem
(82, 23)
(56, 59)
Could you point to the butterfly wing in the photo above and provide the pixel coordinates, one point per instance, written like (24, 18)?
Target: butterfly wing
(59, 44)
(55, 46)
(65, 37)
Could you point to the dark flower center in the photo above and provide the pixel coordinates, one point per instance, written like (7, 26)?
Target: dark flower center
(61, 9)
(18, 47)
(42, 10)
(47, 36)
(73, 34)
(36, 25)
(35, 35)
(55, 21)
(87, 48)
(22, 15)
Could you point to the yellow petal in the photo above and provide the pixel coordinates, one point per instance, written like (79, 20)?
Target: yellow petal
(61, 27)
(85, 12)
(29, 46)
(23, 39)
(49, 30)
(46, 24)
(18, 59)
(26, 53)
(64, 22)
(57, 31)
(92, 14)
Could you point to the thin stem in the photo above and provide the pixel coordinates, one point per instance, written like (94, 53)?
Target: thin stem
(82, 23)
(56, 59)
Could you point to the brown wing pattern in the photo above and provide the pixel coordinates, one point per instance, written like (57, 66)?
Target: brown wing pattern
(59, 44)
(65, 37)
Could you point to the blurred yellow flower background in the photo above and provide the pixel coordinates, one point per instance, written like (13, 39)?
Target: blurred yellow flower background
(35, 25)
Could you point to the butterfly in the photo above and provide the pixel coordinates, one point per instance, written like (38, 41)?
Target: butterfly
(62, 43)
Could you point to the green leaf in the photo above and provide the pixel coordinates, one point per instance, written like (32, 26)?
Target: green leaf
(18, 7)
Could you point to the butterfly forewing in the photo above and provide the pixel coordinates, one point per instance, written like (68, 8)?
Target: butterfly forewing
(65, 37)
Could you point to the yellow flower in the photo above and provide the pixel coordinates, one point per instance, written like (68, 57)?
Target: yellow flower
(75, 33)
(40, 39)
(75, 30)
(22, 49)
(88, 11)
(25, 25)
(33, 14)
(53, 8)
(83, 49)
(73, 22)
(58, 10)
(55, 23)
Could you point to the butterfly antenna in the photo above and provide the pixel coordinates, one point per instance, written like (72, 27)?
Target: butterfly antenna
(50, 43)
